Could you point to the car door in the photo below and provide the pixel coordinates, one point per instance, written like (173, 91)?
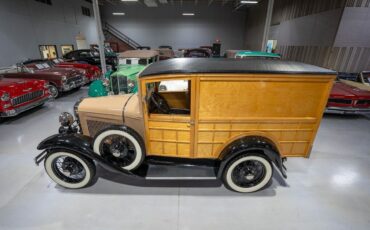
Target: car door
(169, 134)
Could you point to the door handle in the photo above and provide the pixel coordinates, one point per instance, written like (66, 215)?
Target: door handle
(190, 123)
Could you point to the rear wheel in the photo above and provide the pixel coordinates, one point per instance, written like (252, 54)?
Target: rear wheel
(247, 173)
(69, 170)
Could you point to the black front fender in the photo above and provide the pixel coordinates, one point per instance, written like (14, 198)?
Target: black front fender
(78, 144)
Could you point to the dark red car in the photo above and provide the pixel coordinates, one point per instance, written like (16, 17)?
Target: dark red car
(59, 79)
(197, 53)
(19, 95)
(348, 99)
(91, 72)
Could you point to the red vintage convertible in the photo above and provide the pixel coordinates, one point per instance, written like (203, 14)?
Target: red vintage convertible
(348, 99)
(91, 72)
(19, 95)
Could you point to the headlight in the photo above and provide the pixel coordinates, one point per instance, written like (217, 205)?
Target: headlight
(66, 119)
(5, 97)
(105, 82)
(46, 85)
(64, 78)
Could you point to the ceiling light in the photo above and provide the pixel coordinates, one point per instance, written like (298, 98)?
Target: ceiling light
(129, 0)
(118, 14)
(248, 2)
(188, 14)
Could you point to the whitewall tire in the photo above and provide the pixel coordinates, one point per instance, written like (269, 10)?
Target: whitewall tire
(247, 173)
(59, 176)
(134, 143)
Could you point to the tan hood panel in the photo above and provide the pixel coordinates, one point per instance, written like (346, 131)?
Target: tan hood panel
(108, 105)
(132, 109)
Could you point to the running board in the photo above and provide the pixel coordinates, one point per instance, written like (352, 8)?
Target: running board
(181, 178)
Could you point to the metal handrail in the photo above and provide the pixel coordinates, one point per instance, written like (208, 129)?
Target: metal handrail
(109, 28)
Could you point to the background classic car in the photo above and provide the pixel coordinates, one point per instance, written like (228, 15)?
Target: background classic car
(197, 53)
(92, 72)
(124, 79)
(59, 79)
(19, 95)
(358, 80)
(91, 57)
(256, 54)
(348, 99)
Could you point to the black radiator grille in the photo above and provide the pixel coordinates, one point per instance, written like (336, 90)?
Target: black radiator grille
(77, 80)
(27, 97)
(340, 101)
(363, 102)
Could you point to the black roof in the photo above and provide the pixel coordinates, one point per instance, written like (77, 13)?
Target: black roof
(228, 65)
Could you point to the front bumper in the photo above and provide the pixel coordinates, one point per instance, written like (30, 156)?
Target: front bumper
(346, 110)
(16, 111)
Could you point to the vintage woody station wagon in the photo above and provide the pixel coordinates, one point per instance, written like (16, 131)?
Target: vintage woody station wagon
(241, 117)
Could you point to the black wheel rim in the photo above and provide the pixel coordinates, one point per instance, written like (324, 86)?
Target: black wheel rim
(118, 150)
(68, 169)
(248, 173)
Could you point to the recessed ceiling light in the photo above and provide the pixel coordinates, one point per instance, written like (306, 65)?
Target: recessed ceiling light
(118, 13)
(188, 14)
(248, 2)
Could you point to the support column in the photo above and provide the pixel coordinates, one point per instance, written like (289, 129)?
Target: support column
(100, 36)
(270, 8)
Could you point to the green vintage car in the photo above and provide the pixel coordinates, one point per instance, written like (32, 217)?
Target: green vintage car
(124, 79)
(256, 54)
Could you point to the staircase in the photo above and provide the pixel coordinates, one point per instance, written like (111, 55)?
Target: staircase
(113, 35)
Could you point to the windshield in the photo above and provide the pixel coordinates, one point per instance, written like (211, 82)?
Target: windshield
(40, 65)
(366, 77)
(123, 84)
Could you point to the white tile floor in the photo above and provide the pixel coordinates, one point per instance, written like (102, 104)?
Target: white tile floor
(331, 190)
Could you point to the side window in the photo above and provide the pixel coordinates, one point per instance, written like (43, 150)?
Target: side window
(143, 61)
(169, 97)
(84, 54)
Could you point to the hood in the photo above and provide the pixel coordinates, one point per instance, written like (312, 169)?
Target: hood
(341, 89)
(107, 105)
(69, 72)
(16, 87)
(72, 64)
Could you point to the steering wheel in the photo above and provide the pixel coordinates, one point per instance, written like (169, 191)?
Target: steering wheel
(158, 102)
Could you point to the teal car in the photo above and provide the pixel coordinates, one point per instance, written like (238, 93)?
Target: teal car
(120, 82)
(256, 54)
(124, 80)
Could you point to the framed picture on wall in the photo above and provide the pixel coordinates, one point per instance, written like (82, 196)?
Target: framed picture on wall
(48, 51)
(66, 48)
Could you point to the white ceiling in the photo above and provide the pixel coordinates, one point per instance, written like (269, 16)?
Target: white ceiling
(179, 3)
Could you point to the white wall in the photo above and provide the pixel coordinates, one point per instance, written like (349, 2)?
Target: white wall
(26, 24)
(312, 30)
(354, 28)
(165, 25)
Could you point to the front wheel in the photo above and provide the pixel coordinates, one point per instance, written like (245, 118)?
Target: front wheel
(69, 170)
(53, 91)
(123, 148)
(247, 173)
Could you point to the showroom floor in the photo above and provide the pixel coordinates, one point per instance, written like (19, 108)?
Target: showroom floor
(328, 191)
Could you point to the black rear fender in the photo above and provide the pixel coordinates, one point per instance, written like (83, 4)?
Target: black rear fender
(80, 145)
(252, 144)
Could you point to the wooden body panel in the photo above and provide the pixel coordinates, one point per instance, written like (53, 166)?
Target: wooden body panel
(287, 109)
